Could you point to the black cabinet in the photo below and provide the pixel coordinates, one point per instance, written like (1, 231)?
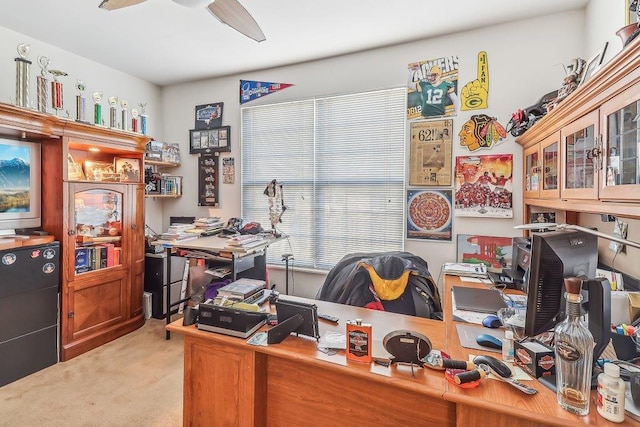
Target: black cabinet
(28, 310)
(155, 282)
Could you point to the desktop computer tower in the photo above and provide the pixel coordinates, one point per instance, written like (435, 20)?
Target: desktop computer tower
(155, 281)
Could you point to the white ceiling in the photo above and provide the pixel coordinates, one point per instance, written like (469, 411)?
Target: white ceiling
(164, 43)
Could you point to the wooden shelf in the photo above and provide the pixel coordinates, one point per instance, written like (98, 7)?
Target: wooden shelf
(148, 162)
(626, 209)
(163, 196)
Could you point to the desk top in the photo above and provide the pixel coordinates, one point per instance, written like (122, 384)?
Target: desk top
(430, 382)
(214, 244)
(491, 400)
(500, 397)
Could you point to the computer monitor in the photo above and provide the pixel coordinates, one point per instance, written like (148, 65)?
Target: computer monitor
(554, 256)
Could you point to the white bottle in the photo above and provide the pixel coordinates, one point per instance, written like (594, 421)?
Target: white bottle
(508, 353)
(610, 402)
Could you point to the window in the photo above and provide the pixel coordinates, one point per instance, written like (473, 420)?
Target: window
(340, 160)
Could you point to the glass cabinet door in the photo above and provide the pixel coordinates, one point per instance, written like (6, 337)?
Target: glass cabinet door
(621, 166)
(550, 154)
(532, 171)
(98, 229)
(580, 176)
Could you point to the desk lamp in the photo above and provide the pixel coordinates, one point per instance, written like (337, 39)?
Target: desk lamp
(553, 226)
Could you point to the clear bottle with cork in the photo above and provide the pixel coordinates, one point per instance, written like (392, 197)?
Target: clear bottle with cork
(574, 354)
(611, 390)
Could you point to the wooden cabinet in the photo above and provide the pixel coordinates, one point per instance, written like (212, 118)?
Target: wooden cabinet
(596, 129)
(99, 223)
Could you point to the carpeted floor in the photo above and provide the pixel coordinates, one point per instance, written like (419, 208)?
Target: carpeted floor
(135, 380)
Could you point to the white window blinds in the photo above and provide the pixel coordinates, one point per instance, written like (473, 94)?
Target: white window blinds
(340, 161)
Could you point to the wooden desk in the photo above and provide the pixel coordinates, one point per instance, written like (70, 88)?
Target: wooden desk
(228, 382)
(494, 403)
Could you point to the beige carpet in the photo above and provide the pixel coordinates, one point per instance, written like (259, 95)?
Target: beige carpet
(135, 380)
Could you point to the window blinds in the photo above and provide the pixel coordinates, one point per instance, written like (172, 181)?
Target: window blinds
(340, 160)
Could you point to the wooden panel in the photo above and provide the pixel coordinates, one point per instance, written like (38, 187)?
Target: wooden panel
(97, 306)
(226, 395)
(299, 394)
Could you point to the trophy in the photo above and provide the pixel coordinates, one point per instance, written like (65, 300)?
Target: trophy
(134, 120)
(125, 120)
(22, 76)
(43, 84)
(143, 119)
(57, 101)
(81, 101)
(113, 118)
(97, 108)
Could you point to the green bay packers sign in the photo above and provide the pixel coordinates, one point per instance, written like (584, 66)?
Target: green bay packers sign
(432, 88)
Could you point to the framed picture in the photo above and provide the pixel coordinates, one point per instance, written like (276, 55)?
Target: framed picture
(129, 169)
(206, 141)
(209, 116)
(95, 170)
(593, 64)
(430, 160)
(631, 7)
(208, 180)
(493, 251)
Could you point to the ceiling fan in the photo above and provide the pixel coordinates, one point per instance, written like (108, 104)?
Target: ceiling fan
(229, 12)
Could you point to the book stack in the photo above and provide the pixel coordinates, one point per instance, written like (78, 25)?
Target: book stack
(244, 242)
(207, 225)
(241, 289)
(178, 233)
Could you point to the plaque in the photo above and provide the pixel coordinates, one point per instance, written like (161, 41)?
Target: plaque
(22, 76)
(43, 84)
(97, 108)
(113, 114)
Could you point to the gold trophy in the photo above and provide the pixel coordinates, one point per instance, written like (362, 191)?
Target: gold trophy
(57, 96)
(22, 76)
(143, 119)
(81, 101)
(97, 108)
(113, 114)
(134, 120)
(125, 119)
(43, 84)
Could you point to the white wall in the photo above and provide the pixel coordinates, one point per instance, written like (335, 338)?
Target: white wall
(524, 63)
(97, 77)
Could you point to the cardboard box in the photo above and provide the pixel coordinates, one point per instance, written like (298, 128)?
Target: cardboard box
(535, 357)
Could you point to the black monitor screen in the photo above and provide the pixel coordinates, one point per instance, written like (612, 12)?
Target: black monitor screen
(554, 256)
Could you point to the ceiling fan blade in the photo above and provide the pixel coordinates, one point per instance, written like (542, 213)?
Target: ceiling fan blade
(117, 4)
(232, 13)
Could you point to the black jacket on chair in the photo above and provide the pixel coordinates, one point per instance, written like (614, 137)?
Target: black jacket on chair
(350, 280)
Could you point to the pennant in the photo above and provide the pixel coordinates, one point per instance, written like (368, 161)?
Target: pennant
(250, 90)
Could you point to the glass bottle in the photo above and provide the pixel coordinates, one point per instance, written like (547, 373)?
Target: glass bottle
(574, 354)
(508, 354)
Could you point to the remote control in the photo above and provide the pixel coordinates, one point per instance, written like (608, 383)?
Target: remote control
(328, 318)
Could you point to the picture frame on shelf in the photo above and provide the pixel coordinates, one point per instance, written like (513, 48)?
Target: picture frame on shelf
(74, 170)
(209, 116)
(593, 64)
(95, 170)
(206, 141)
(129, 169)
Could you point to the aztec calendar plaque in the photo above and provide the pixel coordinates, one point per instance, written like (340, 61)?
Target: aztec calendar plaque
(429, 214)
